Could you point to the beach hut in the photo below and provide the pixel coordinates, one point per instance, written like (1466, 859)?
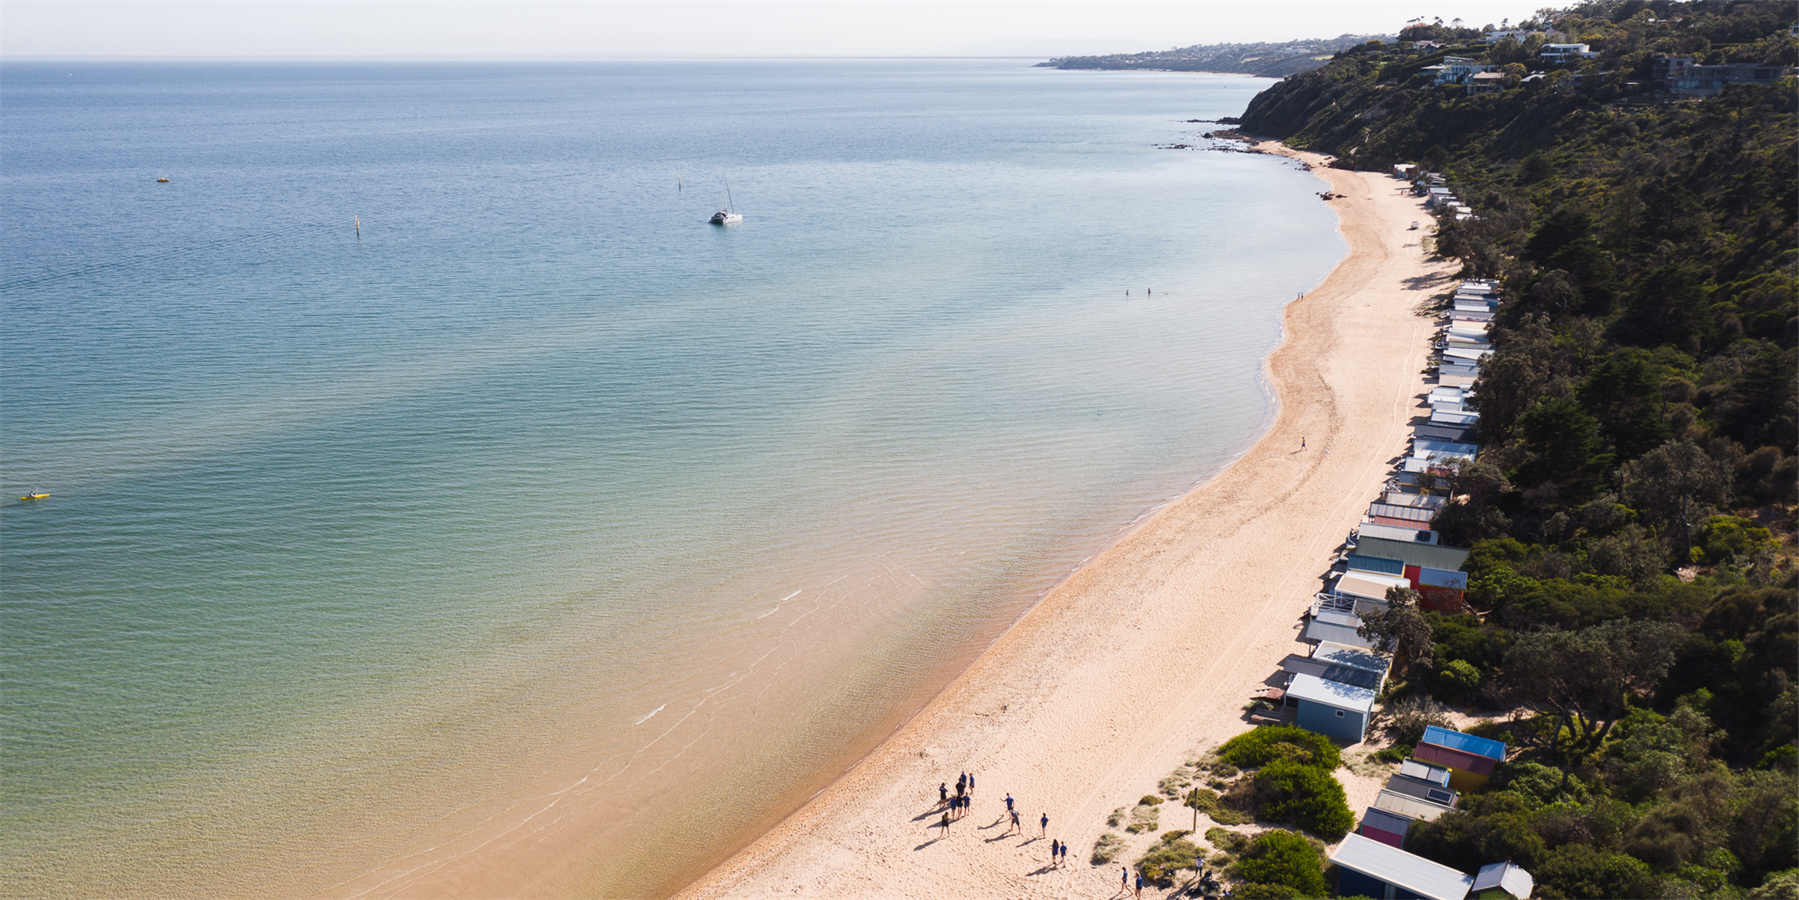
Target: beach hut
(1392, 533)
(1446, 434)
(1413, 554)
(1336, 628)
(1453, 417)
(1387, 827)
(1368, 589)
(1441, 590)
(1374, 565)
(1503, 881)
(1331, 708)
(1370, 868)
(1423, 791)
(1295, 665)
(1411, 807)
(1423, 771)
(1469, 758)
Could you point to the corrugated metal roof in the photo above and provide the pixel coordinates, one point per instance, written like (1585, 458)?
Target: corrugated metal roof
(1331, 693)
(1389, 532)
(1369, 584)
(1318, 630)
(1424, 771)
(1412, 807)
(1422, 790)
(1506, 876)
(1360, 563)
(1453, 758)
(1456, 740)
(1345, 655)
(1390, 822)
(1449, 434)
(1401, 869)
(1413, 554)
(1329, 671)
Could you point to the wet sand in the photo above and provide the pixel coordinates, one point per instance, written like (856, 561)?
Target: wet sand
(1146, 656)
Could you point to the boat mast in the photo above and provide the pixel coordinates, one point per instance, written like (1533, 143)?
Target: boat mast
(728, 204)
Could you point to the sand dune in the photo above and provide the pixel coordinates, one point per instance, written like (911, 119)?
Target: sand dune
(1147, 655)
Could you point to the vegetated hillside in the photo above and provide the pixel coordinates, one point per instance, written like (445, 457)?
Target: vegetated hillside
(1271, 60)
(1632, 509)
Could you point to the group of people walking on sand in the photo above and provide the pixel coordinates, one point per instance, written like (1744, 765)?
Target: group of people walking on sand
(957, 806)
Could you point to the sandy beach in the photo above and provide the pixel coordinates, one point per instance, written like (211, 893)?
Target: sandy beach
(1146, 656)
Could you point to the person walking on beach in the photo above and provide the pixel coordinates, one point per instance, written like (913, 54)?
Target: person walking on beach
(1045, 824)
(1055, 852)
(1015, 826)
(944, 822)
(971, 784)
(1139, 886)
(943, 793)
(1302, 443)
(1124, 879)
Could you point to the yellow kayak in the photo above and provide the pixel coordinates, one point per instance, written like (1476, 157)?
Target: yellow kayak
(34, 496)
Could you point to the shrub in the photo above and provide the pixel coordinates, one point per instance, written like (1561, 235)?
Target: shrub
(1285, 859)
(1106, 848)
(1116, 818)
(1272, 742)
(1150, 800)
(1304, 796)
(1201, 800)
(1144, 818)
(1459, 677)
(1227, 841)
(1169, 855)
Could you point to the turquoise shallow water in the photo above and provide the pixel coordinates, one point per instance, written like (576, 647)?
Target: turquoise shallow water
(540, 507)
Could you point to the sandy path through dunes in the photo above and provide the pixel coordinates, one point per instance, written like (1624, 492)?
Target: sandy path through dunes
(1149, 652)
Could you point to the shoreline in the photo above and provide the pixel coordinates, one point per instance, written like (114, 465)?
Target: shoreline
(1145, 654)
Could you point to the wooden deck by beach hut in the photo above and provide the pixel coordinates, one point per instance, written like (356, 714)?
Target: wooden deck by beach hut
(1387, 827)
(1503, 881)
(1469, 758)
(1331, 708)
(1370, 868)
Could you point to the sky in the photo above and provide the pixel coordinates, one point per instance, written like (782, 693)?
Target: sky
(625, 29)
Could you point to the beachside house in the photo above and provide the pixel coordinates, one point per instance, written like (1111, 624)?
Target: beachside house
(1457, 70)
(1503, 881)
(1469, 758)
(1370, 868)
(1565, 53)
(1331, 708)
(1486, 83)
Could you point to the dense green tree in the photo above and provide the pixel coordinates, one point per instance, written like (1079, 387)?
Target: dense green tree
(1401, 629)
(1676, 484)
(1304, 796)
(1585, 677)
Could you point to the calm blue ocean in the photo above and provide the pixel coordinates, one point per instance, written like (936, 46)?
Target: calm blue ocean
(540, 511)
